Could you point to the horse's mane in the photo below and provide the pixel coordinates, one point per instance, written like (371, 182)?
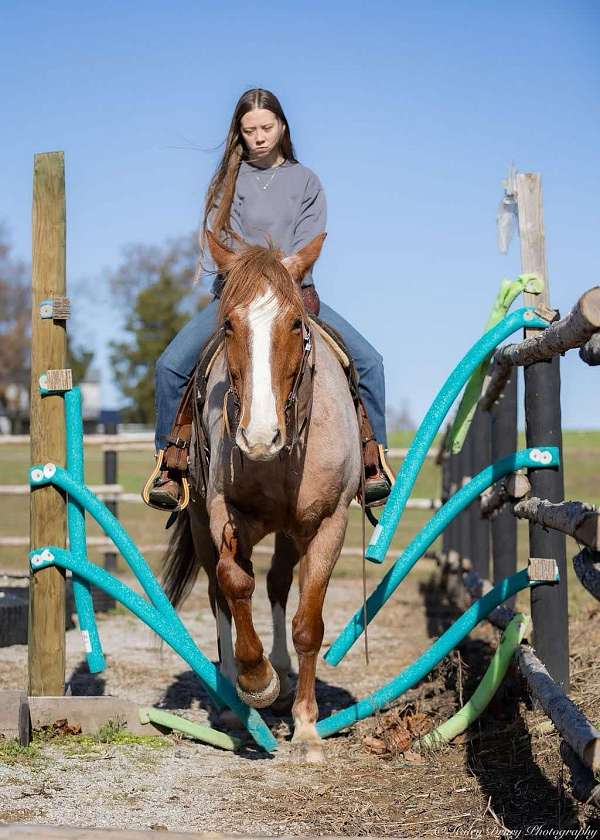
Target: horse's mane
(254, 270)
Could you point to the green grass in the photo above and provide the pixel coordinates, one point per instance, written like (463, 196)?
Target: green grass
(12, 753)
(581, 463)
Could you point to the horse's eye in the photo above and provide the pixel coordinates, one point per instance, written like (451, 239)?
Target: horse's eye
(297, 325)
(227, 326)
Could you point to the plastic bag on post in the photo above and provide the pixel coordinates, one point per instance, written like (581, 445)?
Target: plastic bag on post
(507, 213)
(506, 222)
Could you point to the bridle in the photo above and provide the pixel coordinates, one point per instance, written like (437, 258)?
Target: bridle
(298, 405)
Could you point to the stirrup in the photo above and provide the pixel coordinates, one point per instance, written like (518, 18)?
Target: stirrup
(184, 501)
(388, 477)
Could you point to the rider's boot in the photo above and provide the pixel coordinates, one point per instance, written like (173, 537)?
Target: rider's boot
(166, 490)
(167, 487)
(379, 477)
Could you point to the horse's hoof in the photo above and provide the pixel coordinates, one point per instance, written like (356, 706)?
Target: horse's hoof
(308, 752)
(229, 720)
(260, 699)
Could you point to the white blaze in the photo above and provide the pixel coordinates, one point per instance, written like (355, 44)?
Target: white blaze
(263, 412)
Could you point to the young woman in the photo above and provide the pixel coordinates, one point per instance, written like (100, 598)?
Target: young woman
(261, 193)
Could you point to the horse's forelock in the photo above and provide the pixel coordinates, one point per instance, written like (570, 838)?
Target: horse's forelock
(253, 271)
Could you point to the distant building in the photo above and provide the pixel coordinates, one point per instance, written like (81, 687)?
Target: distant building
(14, 405)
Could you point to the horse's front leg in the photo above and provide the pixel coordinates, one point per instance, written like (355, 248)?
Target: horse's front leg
(257, 682)
(307, 629)
(279, 581)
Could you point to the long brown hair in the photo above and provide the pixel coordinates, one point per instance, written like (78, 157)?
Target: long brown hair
(221, 189)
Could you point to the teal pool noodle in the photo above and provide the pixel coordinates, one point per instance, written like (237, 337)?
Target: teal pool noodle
(419, 669)
(77, 533)
(425, 434)
(543, 456)
(112, 528)
(173, 632)
(53, 474)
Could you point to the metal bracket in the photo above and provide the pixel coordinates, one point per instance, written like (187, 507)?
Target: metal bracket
(56, 308)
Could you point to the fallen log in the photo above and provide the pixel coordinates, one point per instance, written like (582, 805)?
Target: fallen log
(574, 330)
(571, 331)
(584, 785)
(572, 724)
(590, 352)
(577, 519)
(509, 489)
(587, 569)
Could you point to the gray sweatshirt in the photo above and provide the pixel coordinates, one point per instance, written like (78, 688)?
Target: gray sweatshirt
(284, 204)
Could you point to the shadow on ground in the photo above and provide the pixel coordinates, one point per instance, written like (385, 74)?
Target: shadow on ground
(501, 753)
(187, 689)
(81, 683)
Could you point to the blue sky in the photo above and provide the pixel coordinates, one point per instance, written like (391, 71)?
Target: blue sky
(409, 113)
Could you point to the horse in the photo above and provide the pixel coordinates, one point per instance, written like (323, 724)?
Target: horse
(288, 464)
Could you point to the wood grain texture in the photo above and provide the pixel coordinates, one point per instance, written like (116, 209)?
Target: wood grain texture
(571, 331)
(532, 236)
(59, 380)
(48, 350)
(574, 330)
(578, 519)
(509, 489)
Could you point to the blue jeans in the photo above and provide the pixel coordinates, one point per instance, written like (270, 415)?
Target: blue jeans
(175, 365)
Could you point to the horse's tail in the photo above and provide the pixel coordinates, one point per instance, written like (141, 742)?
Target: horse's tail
(180, 563)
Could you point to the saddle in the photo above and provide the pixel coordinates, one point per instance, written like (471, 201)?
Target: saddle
(188, 420)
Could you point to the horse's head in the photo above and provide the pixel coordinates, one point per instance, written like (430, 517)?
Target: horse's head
(265, 325)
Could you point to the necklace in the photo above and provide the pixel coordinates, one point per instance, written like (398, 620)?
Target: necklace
(268, 183)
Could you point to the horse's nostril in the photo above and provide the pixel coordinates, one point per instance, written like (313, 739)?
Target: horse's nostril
(277, 439)
(244, 434)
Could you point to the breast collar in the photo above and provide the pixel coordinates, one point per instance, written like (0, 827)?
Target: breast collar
(298, 405)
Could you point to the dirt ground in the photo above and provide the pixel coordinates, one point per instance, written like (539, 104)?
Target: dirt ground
(502, 777)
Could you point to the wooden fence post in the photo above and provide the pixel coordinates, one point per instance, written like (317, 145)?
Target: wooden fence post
(48, 351)
(446, 470)
(110, 477)
(504, 442)
(456, 532)
(549, 604)
(464, 518)
(480, 526)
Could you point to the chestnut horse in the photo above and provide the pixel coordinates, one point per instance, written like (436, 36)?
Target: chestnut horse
(288, 463)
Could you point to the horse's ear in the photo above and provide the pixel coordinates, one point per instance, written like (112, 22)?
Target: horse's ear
(222, 256)
(304, 259)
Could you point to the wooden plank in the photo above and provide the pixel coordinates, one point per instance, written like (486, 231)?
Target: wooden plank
(90, 713)
(59, 380)
(48, 350)
(14, 716)
(22, 831)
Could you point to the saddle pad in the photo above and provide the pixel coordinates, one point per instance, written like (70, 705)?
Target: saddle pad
(333, 340)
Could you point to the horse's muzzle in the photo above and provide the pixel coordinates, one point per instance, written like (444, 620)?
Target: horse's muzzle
(258, 447)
